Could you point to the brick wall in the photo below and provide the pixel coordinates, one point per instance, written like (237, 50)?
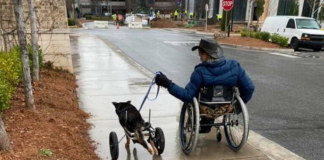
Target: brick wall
(51, 14)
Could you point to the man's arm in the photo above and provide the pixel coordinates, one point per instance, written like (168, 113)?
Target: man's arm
(186, 94)
(245, 85)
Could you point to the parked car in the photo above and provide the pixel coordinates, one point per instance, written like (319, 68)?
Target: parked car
(302, 32)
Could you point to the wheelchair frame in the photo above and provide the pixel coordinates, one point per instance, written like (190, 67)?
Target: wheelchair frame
(193, 126)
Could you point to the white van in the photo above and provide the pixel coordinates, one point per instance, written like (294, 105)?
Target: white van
(302, 31)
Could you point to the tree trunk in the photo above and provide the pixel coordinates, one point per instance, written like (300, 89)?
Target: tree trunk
(249, 18)
(4, 141)
(35, 73)
(29, 99)
(313, 8)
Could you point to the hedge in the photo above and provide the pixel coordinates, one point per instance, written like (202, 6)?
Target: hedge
(11, 73)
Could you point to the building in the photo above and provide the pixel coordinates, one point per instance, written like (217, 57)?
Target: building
(53, 32)
(240, 9)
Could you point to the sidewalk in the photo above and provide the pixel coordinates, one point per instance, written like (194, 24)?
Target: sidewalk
(104, 75)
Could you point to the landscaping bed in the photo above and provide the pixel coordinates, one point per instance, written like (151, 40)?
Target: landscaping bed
(57, 129)
(247, 41)
(163, 23)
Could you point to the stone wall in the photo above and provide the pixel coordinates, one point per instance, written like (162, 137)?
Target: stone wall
(52, 28)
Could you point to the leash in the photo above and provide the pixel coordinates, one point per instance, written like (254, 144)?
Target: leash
(146, 97)
(149, 90)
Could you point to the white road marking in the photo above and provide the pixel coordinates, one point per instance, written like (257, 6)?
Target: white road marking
(284, 55)
(177, 43)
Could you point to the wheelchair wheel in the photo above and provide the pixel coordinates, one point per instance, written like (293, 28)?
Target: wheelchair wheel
(189, 126)
(113, 142)
(160, 140)
(236, 125)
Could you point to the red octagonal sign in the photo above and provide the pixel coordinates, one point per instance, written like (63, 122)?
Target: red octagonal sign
(227, 5)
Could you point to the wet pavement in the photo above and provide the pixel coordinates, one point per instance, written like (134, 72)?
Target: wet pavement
(105, 75)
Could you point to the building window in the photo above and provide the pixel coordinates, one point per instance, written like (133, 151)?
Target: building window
(283, 7)
(150, 1)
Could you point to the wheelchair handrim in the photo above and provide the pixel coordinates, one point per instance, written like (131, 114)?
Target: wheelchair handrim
(244, 129)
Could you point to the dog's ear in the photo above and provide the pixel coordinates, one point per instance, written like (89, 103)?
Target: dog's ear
(115, 104)
(128, 102)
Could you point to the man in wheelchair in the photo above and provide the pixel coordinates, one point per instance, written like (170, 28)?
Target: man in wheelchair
(214, 70)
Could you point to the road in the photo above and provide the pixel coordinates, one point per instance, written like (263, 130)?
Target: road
(287, 106)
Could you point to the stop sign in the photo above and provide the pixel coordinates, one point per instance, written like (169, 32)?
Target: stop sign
(227, 5)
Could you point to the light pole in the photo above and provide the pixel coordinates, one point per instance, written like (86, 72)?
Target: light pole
(206, 8)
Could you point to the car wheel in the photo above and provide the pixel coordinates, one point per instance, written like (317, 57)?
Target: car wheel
(294, 44)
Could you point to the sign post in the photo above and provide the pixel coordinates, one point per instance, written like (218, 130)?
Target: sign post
(227, 6)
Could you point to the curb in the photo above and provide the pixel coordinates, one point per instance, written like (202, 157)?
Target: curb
(259, 48)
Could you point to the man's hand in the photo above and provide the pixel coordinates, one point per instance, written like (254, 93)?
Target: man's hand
(162, 80)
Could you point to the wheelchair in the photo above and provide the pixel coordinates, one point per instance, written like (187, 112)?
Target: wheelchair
(198, 116)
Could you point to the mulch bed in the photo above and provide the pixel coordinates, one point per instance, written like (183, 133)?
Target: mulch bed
(247, 41)
(163, 23)
(57, 124)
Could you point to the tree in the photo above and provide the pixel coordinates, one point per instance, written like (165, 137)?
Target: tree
(259, 10)
(315, 5)
(4, 141)
(294, 8)
(250, 4)
(321, 15)
(29, 99)
(35, 73)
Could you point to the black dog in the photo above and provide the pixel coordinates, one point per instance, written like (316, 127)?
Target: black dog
(131, 119)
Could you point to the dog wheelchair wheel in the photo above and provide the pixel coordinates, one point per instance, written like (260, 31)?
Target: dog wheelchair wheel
(189, 126)
(160, 140)
(113, 143)
(236, 125)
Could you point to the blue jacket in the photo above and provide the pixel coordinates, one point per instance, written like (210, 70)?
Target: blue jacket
(223, 72)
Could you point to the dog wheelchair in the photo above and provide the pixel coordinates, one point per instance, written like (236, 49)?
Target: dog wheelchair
(199, 116)
(154, 134)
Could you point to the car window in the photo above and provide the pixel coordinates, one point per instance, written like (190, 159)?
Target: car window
(307, 24)
(291, 23)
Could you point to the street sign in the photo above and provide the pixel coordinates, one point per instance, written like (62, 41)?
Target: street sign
(227, 5)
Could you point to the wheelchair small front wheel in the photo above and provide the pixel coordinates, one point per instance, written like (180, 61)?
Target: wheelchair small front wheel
(236, 126)
(189, 126)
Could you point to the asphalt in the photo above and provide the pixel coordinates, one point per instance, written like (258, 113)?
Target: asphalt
(106, 72)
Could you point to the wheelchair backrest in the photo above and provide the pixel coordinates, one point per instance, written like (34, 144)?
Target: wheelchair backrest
(217, 93)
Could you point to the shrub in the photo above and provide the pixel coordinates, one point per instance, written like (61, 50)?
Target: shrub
(252, 34)
(258, 35)
(243, 33)
(71, 22)
(275, 38)
(88, 17)
(265, 36)
(280, 40)
(10, 66)
(10, 75)
(283, 41)
(5, 93)
(11, 72)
